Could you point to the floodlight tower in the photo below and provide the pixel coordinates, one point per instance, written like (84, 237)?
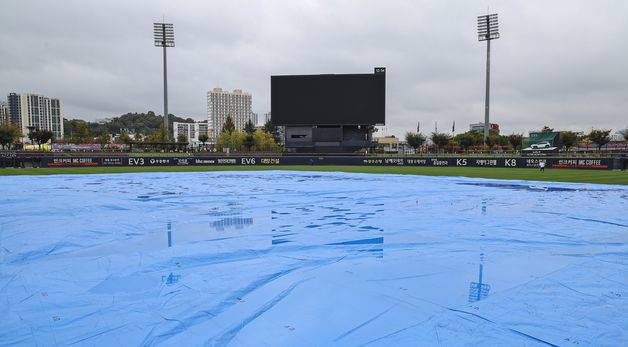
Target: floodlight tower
(164, 37)
(488, 29)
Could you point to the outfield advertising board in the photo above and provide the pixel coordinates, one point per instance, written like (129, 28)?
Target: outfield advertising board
(501, 162)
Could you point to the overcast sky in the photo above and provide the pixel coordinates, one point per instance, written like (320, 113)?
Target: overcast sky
(557, 63)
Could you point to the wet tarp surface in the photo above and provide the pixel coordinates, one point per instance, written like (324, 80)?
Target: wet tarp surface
(311, 259)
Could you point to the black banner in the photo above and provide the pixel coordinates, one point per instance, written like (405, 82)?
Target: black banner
(498, 162)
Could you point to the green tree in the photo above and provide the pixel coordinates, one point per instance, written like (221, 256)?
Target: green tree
(270, 128)
(501, 140)
(163, 134)
(440, 140)
(203, 138)
(263, 141)
(600, 137)
(137, 137)
(237, 140)
(624, 133)
(250, 127)
(415, 140)
(152, 138)
(491, 141)
(249, 141)
(8, 135)
(32, 134)
(80, 132)
(104, 137)
(223, 141)
(41, 136)
(468, 139)
(515, 140)
(453, 144)
(568, 139)
(232, 140)
(547, 129)
(228, 127)
(182, 138)
(124, 138)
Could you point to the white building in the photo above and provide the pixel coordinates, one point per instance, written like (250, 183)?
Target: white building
(32, 110)
(191, 130)
(4, 113)
(266, 117)
(617, 137)
(221, 104)
(479, 127)
(254, 118)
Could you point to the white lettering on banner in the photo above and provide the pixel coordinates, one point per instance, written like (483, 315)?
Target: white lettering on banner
(159, 161)
(248, 161)
(112, 161)
(486, 162)
(437, 162)
(182, 161)
(590, 162)
(271, 161)
(580, 162)
(461, 162)
(136, 161)
(62, 160)
(511, 162)
(204, 161)
(74, 161)
(8, 154)
(397, 161)
(417, 161)
(226, 161)
(532, 162)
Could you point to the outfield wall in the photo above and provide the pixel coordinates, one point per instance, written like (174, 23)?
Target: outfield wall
(501, 162)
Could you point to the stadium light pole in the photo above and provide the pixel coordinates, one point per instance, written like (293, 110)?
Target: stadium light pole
(488, 30)
(164, 37)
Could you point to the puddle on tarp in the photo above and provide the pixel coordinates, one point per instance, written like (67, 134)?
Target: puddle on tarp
(287, 258)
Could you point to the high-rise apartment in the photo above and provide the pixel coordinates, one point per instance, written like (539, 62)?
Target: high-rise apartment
(222, 104)
(38, 111)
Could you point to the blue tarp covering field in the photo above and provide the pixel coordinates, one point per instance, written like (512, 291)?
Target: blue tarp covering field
(311, 259)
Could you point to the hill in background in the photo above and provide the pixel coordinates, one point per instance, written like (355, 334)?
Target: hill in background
(144, 123)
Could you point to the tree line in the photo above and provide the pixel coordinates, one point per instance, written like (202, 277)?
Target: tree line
(250, 139)
(475, 140)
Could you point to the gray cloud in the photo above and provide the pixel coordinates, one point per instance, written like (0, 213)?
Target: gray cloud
(557, 63)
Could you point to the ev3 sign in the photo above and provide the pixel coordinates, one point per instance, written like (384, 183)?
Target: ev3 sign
(136, 161)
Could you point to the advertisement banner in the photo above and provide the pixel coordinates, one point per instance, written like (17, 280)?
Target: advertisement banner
(496, 162)
(70, 161)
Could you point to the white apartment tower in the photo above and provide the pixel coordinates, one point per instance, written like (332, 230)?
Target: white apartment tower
(221, 104)
(38, 111)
